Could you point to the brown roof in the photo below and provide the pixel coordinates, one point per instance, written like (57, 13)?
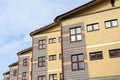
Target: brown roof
(13, 64)
(8, 72)
(24, 51)
(74, 10)
(43, 28)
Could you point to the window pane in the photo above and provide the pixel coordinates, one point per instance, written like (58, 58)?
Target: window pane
(73, 38)
(44, 41)
(40, 42)
(79, 37)
(92, 56)
(96, 26)
(108, 24)
(54, 40)
(118, 52)
(81, 65)
(89, 28)
(112, 53)
(74, 58)
(99, 55)
(51, 77)
(72, 31)
(78, 30)
(44, 46)
(114, 23)
(80, 57)
(55, 76)
(75, 66)
(40, 46)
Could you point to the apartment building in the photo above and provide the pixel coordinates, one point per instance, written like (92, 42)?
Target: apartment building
(46, 63)
(82, 44)
(91, 42)
(7, 75)
(13, 71)
(24, 59)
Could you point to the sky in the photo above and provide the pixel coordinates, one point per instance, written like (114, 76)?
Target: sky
(20, 17)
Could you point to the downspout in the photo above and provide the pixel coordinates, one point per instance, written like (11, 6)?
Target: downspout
(62, 51)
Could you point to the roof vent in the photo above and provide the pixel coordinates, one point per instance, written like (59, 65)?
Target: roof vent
(112, 2)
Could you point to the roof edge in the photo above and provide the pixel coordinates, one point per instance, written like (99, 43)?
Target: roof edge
(8, 72)
(57, 19)
(23, 51)
(13, 64)
(43, 28)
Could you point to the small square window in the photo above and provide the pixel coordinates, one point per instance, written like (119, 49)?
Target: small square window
(42, 77)
(77, 62)
(15, 73)
(42, 44)
(52, 40)
(52, 57)
(96, 55)
(92, 27)
(76, 34)
(114, 53)
(53, 77)
(25, 62)
(111, 23)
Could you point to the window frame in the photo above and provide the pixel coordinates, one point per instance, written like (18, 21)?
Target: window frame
(96, 55)
(53, 40)
(25, 62)
(24, 75)
(14, 72)
(60, 56)
(78, 61)
(42, 61)
(53, 76)
(76, 34)
(93, 29)
(43, 76)
(42, 44)
(111, 24)
(116, 53)
(53, 57)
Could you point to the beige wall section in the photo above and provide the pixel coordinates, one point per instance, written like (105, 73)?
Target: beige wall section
(106, 66)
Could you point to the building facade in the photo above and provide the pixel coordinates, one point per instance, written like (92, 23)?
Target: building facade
(82, 44)
(7, 75)
(13, 71)
(24, 69)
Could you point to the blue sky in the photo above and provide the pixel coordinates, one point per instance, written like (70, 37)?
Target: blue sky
(20, 17)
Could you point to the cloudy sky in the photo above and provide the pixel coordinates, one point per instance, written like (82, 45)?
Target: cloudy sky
(20, 17)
